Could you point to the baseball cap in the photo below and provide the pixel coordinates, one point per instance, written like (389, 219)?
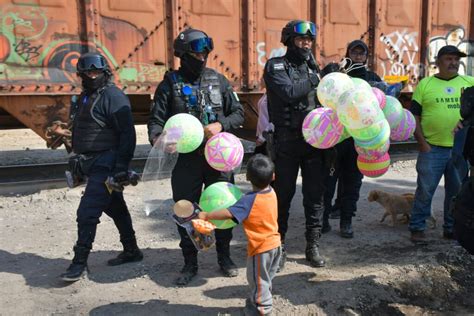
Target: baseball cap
(450, 50)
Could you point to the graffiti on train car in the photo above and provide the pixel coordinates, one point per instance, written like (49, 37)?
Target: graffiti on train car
(26, 50)
(28, 22)
(262, 53)
(401, 50)
(456, 37)
(28, 54)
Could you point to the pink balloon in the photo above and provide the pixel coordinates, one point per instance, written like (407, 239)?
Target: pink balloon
(380, 97)
(373, 168)
(405, 128)
(322, 128)
(224, 152)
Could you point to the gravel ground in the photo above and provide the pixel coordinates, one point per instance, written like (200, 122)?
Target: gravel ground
(379, 272)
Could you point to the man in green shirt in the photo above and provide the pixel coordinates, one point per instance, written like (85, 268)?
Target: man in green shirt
(435, 105)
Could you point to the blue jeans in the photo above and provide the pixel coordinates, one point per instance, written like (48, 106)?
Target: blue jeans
(431, 166)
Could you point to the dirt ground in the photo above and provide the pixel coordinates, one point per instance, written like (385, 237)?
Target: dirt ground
(379, 272)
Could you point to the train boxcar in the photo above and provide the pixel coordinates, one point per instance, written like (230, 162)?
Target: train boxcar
(40, 41)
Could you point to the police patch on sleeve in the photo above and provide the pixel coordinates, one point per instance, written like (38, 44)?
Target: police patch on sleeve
(279, 66)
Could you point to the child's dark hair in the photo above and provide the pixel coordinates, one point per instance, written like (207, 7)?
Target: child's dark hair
(260, 171)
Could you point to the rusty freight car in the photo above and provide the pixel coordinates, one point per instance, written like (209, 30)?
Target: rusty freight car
(40, 41)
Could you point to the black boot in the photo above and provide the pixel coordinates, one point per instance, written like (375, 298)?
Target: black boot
(228, 267)
(326, 226)
(189, 271)
(312, 249)
(130, 253)
(335, 212)
(78, 268)
(281, 264)
(346, 228)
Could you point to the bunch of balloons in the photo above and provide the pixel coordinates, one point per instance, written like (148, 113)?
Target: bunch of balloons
(351, 107)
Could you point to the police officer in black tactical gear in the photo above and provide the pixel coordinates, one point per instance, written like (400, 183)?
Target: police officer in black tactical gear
(291, 90)
(347, 174)
(103, 139)
(206, 94)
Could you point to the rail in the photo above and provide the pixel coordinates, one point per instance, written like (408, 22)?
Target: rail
(30, 178)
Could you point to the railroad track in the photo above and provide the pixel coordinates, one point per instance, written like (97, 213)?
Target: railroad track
(23, 179)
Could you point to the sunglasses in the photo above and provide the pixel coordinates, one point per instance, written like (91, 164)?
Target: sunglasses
(91, 63)
(303, 28)
(201, 45)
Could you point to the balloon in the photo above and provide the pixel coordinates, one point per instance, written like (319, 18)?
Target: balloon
(374, 153)
(358, 108)
(185, 130)
(379, 140)
(393, 111)
(366, 133)
(322, 128)
(218, 196)
(360, 83)
(405, 128)
(380, 95)
(373, 168)
(224, 152)
(345, 135)
(331, 87)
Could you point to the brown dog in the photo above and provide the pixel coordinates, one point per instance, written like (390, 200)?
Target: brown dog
(395, 204)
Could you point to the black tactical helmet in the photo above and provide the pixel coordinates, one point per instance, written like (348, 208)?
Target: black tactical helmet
(297, 28)
(192, 40)
(92, 61)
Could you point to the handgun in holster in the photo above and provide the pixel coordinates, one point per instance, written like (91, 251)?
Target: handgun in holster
(270, 144)
(74, 174)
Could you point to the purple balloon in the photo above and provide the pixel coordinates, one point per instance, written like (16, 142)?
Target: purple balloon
(380, 97)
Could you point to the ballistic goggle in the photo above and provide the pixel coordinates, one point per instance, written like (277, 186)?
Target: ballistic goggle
(201, 45)
(93, 62)
(302, 28)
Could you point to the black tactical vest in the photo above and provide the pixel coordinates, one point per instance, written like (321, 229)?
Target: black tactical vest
(90, 134)
(294, 113)
(298, 111)
(203, 100)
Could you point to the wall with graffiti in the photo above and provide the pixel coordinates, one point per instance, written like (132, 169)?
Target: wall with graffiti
(38, 47)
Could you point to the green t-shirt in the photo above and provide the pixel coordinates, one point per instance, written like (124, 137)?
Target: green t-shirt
(440, 104)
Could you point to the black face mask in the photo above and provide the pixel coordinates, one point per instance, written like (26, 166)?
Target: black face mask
(192, 67)
(297, 54)
(91, 85)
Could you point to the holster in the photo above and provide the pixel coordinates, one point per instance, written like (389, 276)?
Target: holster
(78, 168)
(270, 144)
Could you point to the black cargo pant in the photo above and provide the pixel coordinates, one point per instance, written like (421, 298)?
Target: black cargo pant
(293, 153)
(189, 175)
(349, 179)
(98, 199)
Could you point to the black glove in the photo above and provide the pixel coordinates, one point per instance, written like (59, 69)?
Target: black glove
(311, 62)
(121, 178)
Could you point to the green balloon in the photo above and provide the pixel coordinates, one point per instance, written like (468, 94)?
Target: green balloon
(186, 131)
(218, 196)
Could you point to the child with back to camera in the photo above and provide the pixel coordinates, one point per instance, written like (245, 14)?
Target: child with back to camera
(258, 212)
